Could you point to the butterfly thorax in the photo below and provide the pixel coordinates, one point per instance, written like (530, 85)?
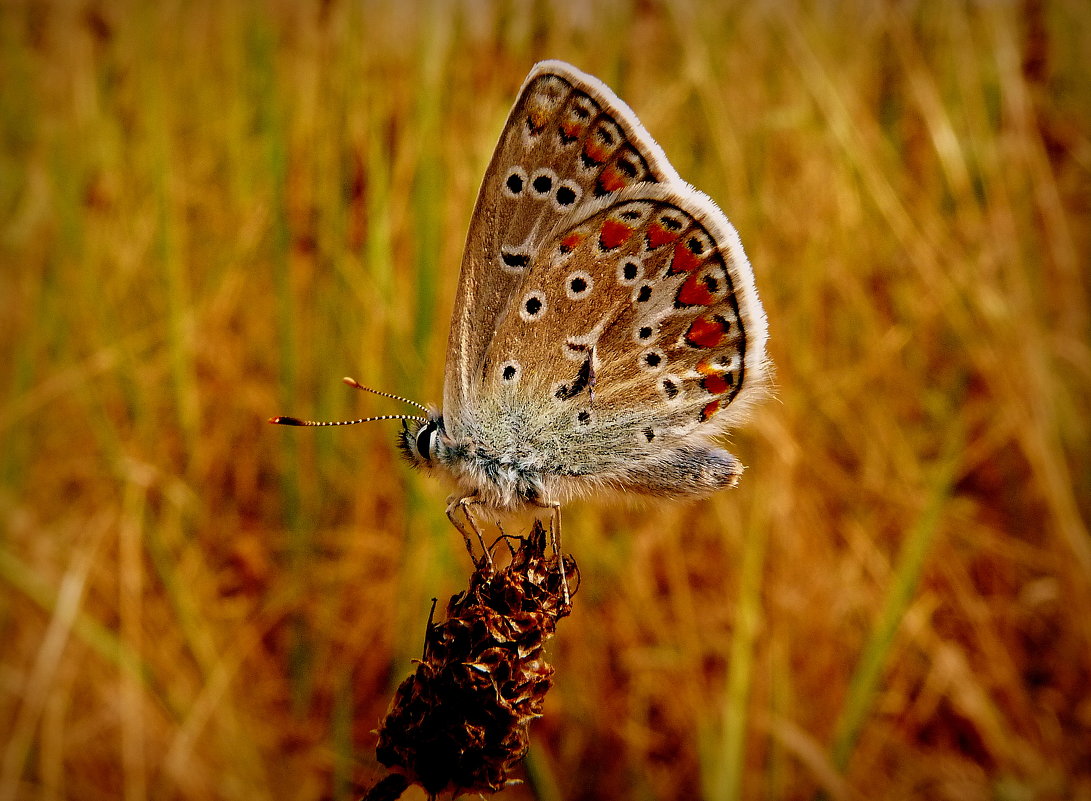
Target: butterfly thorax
(503, 474)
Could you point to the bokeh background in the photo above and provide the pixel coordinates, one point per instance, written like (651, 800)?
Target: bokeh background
(210, 212)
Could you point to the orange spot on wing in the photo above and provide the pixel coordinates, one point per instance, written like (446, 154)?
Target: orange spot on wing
(614, 234)
(595, 152)
(694, 292)
(710, 409)
(716, 383)
(571, 242)
(706, 331)
(611, 179)
(684, 259)
(659, 235)
(572, 129)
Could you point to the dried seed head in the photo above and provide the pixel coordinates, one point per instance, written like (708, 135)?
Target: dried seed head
(460, 721)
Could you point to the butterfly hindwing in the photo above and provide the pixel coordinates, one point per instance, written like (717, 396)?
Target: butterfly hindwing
(639, 313)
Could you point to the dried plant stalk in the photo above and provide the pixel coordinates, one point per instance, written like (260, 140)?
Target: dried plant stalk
(459, 723)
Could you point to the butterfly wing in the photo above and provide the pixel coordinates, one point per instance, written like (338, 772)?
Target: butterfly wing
(607, 324)
(567, 141)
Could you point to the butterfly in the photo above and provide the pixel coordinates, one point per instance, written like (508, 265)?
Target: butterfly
(606, 325)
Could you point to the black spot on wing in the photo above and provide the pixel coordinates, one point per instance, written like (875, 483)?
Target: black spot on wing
(583, 379)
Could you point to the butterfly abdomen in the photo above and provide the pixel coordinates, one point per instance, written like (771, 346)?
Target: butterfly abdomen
(685, 472)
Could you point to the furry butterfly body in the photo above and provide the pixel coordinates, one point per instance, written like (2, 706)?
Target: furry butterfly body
(606, 326)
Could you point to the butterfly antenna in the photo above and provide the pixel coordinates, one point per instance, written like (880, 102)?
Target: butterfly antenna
(352, 382)
(295, 421)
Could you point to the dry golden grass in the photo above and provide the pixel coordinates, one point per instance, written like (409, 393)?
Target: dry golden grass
(210, 212)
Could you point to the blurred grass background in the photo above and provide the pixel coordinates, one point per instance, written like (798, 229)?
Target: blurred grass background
(210, 212)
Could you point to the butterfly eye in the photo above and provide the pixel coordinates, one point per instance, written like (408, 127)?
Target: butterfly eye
(426, 440)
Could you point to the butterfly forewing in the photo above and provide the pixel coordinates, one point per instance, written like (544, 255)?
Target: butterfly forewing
(567, 142)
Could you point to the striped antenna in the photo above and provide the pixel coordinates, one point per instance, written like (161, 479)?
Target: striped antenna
(295, 421)
(352, 382)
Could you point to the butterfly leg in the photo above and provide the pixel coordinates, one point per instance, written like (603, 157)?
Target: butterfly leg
(467, 520)
(555, 540)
